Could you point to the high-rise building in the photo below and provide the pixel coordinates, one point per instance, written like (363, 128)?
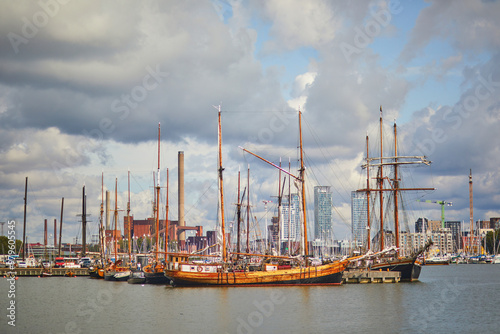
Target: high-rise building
(422, 225)
(290, 216)
(322, 211)
(359, 219)
(456, 233)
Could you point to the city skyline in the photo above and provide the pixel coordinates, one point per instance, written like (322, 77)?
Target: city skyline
(83, 86)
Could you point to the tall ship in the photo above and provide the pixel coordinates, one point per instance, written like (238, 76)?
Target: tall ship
(241, 269)
(388, 190)
(116, 271)
(153, 272)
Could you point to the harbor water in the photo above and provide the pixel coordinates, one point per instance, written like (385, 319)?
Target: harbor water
(447, 299)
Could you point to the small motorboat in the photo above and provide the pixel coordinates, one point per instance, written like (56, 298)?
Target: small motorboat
(122, 275)
(137, 277)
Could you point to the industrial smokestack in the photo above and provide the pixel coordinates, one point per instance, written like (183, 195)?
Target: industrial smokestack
(107, 211)
(182, 236)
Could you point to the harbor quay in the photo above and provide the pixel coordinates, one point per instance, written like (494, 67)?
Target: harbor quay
(349, 277)
(39, 271)
(361, 276)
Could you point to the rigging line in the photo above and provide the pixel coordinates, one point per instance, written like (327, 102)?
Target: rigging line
(200, 198)
(258, 111)
(322, 150)
(137, 181)
(309, 172)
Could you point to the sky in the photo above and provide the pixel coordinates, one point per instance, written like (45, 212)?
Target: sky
(84, 85)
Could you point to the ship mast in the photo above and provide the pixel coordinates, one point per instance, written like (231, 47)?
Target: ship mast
(396, 188)
(302, 178)
(368, 237)
(24, 223)
(116, 219)
(248, 210)
(60, 225)
(101, 226)
(471, 236)
(238, 206)
(379, 162)
(289, 204)
(380, 184)
(221, 188)
(158, 199)
(280, 196)
(128, 221)
(166, 219)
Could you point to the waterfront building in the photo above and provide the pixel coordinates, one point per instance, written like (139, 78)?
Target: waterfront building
(486, 224)
(322, 211)
(273, 231)
(456, 234)
(442, 240)
(410, 242)
(359, 219)
(435, 225)
(495, 223)
(290, 218)
(421, 225)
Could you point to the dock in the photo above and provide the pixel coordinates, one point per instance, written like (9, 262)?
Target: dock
(39, 271)
(360, 276)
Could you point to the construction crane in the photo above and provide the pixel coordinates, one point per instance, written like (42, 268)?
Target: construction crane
(442, 203)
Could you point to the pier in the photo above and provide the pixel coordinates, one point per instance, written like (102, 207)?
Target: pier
(39, 271)
(370, 276)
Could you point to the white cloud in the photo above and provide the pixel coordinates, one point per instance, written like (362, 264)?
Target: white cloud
(61, 86)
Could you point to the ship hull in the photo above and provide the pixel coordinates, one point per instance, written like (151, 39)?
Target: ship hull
(330, 274)
(97, 273)
(409, 268)
(437, 263)
(110, 276)
(156, 278)
(137, 278)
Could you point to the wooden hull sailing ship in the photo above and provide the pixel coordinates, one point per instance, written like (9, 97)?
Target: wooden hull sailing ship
(153, 273)
(410, 265)
(216, 275)
(116, 271)
(234, 270)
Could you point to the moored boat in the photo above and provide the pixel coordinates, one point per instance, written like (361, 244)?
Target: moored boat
(388, 188)
(69, 273)
(155, 274)
(96, 272)
(231, 269)
(409, 267)
(437, 261)
(189, 274)
(46, 274)
(137, 277)
(122, 275)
